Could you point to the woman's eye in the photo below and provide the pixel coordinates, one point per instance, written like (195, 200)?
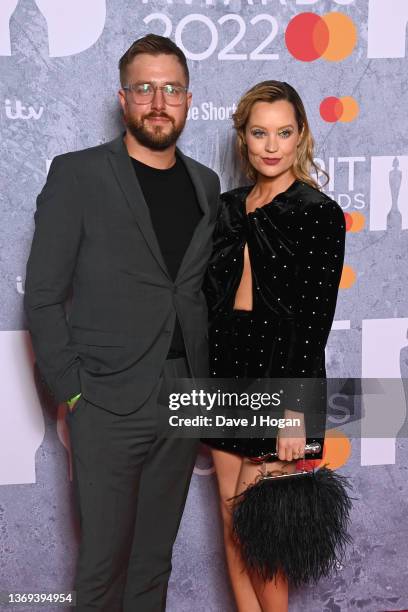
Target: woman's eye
(285, 133)
(257, 133)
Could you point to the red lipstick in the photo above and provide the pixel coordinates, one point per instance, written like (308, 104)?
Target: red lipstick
(271, 161)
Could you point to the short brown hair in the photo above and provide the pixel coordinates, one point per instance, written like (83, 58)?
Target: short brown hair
(271, 91)
(153, 45)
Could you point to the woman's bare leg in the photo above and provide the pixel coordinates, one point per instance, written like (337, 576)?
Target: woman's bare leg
(272, 595)
(228, 468)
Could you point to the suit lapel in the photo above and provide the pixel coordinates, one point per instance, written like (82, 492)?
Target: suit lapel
(198, 235)
(126, 177)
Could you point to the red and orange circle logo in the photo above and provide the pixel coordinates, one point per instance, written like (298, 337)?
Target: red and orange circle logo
(343, 109)
(332, 37)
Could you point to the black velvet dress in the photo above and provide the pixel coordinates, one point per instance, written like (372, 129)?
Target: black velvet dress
(296, 250)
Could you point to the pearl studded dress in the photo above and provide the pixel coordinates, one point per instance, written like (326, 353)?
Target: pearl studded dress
(296, 249)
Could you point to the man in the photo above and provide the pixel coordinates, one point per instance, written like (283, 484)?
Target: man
(128, 226)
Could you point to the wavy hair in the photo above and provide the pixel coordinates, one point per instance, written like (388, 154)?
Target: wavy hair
(271, 91)
(152, 44)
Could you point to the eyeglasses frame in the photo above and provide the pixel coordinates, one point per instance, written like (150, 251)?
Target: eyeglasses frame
(155, 88)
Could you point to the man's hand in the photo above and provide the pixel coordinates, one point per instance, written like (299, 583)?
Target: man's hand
(290, 444)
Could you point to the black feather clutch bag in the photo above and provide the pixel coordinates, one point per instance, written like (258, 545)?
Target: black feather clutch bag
(293, 523)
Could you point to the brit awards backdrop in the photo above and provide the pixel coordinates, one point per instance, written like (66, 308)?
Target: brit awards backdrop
(347, 59)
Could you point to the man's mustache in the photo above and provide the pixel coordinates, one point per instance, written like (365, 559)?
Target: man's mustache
(153, 115)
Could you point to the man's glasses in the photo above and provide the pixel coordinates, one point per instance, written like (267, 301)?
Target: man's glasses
(143, 93)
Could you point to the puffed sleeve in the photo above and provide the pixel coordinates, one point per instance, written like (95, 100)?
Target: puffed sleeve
(319, 269)
(220, 278)
(210, 286)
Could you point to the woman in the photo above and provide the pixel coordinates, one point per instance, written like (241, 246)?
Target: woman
(271, 287)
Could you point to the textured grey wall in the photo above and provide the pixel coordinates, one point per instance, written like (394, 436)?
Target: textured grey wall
(58, 66)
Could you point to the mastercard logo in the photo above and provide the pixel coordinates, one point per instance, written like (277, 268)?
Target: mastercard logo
(332, 37)
(344, 109)
(355, 222)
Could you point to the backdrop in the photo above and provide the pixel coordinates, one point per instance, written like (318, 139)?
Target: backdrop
(58, 84)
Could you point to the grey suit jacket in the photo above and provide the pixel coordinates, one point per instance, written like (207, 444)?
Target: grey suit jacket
(93, 236)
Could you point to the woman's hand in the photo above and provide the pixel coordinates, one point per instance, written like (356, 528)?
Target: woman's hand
(290, 444)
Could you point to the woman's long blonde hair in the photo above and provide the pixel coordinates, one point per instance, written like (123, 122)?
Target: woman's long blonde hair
(271, 91)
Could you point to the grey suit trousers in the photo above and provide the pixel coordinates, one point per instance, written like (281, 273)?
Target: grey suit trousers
(131, 485)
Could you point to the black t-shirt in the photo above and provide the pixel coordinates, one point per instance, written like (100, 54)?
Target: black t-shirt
(175, 213)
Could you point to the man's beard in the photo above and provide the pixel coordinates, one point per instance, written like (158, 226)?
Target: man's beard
(154, 138)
